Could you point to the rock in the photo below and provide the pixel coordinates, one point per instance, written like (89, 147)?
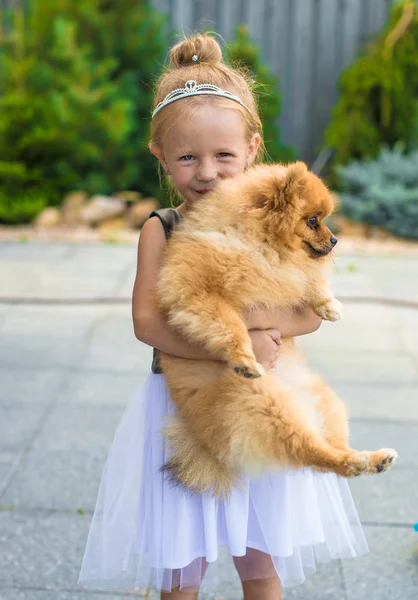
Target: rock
(378, 233)
(112, 224)
(71, 208)
(349, 228)
(130, 197)
(48, 218)
(140, 211)
(101, 208)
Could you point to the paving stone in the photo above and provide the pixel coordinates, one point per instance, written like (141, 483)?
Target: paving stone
(68, 456)
(30, 351)
(350, 336)
(47, 336)
(113, 346)
(86, 359)
(17, 427)
(369, 435)
(34, 252)
(380, 402)
(365, 367)
(326, 583)
(41, 549)
(30, 387)
(389, 497)
(100, 389)
(389, 572)
(58, 322)
(56, 594)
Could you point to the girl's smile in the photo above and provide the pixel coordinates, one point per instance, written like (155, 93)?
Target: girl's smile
(204, 147)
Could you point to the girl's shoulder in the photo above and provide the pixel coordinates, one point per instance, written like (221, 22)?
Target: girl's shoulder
(169, 218)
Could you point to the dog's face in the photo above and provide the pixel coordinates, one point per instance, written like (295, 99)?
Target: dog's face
(293, 204)
(314, 205)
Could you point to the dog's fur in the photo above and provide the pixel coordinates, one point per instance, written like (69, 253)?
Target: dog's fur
(249, 245)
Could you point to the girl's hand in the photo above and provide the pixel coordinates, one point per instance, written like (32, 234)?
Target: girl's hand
(266, 343)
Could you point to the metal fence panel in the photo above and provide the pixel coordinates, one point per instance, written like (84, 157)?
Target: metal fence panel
(306, 43)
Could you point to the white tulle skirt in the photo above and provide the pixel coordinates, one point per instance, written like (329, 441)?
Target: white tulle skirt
(147, 534)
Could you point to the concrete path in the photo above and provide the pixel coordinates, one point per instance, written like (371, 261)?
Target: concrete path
(67, 372)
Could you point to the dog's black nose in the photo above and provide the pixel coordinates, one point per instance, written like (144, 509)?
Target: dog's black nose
(333, 241)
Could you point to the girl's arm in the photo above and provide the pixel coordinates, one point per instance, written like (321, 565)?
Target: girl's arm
(290, 324)
(149, 325)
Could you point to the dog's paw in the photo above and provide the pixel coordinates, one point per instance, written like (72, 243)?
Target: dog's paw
(381, 460)
(249, 370)
(331, 311)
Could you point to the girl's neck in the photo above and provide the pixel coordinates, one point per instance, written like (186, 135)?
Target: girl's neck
(183, 208)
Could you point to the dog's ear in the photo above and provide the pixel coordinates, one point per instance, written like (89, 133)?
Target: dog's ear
(281, 197)
(282, 187)
(290, 187)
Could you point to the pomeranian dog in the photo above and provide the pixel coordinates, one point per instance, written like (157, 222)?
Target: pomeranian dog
(258, 240)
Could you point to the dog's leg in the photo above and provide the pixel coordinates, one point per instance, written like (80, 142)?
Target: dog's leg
(271, 427)
(214, 323)
(333, 413)
(323, 301)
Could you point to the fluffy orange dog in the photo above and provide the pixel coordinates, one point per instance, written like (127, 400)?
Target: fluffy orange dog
(258, 240)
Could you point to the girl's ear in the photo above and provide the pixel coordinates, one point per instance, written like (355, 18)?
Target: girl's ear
(156, 151)
(252, 149)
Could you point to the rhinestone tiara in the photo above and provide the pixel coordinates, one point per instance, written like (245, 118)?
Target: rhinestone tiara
(192, 89)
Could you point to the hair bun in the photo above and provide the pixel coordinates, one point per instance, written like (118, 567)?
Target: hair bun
(205, 47)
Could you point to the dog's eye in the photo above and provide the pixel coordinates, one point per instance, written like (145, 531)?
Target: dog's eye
(313, 222)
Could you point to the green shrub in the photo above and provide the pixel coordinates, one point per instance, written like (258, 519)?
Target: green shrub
(75, 97)
(383, 191)
(242, 53)
(378, 104)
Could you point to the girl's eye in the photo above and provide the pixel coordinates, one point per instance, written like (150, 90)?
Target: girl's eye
(187, 157)
(313, 222)
(224, 154)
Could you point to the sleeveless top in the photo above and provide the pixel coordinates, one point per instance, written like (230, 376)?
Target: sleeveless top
(169, 218)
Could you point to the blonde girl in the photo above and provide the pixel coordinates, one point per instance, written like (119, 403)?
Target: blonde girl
(146, 534)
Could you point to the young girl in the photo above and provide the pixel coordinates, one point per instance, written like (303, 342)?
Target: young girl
(146, 533)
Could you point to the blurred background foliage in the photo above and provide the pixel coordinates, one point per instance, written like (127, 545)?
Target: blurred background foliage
(378, 93)
(383, 191)
(76, 88)
(242, 53)
(76, 81)
(374, 129)
(75, 95)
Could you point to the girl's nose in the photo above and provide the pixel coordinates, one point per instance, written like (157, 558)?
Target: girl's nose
(206, 171)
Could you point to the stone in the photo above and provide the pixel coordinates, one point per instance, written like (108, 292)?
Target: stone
(112, 224)
(48, 218)
(140, 211)
(349, 228)
(101, 208)
(389, 572)
(129, 196)
(71, 208)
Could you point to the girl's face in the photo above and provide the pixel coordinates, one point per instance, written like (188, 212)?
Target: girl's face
(205, 147)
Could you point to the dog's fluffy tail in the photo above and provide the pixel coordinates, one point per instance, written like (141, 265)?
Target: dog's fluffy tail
(193, 463)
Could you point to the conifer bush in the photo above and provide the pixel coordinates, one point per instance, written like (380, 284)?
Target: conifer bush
(378, 101)
(383, 191)
(75, 96)
(241, 52)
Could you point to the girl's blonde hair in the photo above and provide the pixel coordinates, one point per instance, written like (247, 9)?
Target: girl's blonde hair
(209, 68)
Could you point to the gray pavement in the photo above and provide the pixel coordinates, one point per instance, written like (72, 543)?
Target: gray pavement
(67, 372)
